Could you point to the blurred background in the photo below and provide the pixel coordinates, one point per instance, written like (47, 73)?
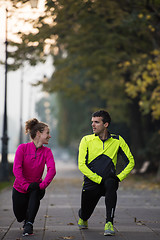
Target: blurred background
(62, 60)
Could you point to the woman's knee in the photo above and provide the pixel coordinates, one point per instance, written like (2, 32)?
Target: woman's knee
(20, 218)
(37, 194)
(42, 193)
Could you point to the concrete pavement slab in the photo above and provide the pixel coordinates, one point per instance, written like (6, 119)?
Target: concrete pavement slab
(137, 215)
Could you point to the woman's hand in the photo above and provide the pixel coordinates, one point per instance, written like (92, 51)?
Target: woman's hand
(33, 186)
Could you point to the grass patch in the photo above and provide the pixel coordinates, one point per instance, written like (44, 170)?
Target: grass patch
(6, 184)
(146, 181)
(9, 183)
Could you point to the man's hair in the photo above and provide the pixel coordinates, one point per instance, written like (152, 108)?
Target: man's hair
(104, 114)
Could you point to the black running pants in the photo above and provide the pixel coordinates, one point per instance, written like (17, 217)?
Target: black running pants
(90, 198)
(26, 205)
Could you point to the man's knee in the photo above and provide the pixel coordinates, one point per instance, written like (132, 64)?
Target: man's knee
(111, 184)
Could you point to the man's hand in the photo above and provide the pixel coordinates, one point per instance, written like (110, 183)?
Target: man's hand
(111, 175)
(117, 178)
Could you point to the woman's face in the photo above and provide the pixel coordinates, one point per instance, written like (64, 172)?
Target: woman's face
(45, 136)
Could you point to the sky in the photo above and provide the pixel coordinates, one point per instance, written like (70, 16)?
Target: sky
(30, 94)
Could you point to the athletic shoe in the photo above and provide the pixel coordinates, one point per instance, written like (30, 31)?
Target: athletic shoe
(82, 224)
(24, 222)
(108, 229)
(28, 229)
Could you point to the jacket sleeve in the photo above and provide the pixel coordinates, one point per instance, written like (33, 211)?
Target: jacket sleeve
(127, 157)
(82, 163)
(18, 167)
(51, 169)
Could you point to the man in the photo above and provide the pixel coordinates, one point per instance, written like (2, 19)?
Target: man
(97, 161)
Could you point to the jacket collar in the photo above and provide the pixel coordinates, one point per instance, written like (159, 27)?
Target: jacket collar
(109, 136)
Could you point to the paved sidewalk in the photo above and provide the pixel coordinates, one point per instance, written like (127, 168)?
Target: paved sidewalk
(137, 214)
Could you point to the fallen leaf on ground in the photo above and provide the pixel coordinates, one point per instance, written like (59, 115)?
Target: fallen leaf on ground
(70, 223)
(69, 237)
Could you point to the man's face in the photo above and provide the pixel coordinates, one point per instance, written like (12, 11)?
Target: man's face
(98, 126)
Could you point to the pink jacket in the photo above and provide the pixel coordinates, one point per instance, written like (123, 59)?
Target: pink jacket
(29, 166)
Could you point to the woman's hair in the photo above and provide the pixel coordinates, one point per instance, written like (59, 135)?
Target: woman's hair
(32, 126)
(104, 114)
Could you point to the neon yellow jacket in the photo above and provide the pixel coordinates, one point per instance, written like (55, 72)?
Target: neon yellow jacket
(97, 159)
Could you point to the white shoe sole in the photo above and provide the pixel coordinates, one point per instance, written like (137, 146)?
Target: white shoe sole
(27, 234)
(109, 234)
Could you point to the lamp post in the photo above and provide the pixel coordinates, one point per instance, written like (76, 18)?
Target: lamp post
(4, 163)
(21, 108)
(34, 4)
(4, 175)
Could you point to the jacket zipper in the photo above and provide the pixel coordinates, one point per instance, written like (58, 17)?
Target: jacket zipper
(36, 153)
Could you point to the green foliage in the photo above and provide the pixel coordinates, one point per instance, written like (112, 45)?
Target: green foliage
(106, 55)
(146, 84)
(47, 111)
(74, 119)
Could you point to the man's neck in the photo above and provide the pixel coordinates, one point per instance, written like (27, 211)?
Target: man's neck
(104, 135)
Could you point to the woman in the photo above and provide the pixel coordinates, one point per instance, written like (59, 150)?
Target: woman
(28, 168)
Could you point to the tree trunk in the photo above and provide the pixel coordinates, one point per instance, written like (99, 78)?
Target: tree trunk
(158, 174)
(136, 134)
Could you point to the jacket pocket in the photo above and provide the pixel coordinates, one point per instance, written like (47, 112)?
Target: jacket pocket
(103, 166)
